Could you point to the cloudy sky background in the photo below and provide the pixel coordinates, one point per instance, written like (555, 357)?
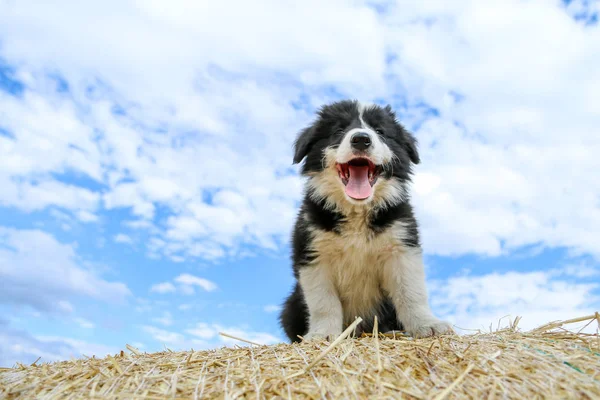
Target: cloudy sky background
(145, 160)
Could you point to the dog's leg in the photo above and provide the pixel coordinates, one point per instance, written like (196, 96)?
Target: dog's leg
(404, 280)
(324, 307)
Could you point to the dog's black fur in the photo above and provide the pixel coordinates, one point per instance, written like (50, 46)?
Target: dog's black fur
(332, 122)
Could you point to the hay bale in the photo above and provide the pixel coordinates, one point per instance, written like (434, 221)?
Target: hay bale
(547, 362)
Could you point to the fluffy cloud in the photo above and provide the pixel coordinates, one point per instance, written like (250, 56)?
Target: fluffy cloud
(501, 168)
(20, 346)
(478, 302)
(164, 336)
(162, 288)
(205, 336)
(84, 323)
(272, 308)
(65, 306)
(186, 284)
(208, 332)
(165, 320)
(122, 238)
(150, 121)
(38, 271)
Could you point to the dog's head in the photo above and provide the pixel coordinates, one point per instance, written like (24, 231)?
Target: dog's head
(355, 154)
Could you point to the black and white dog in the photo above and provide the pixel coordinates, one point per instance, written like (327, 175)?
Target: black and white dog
(356, 248)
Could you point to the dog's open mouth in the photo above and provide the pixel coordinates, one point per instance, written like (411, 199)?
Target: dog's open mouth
(358, 176)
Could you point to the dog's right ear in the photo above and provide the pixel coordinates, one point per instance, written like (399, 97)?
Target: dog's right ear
(303, 143)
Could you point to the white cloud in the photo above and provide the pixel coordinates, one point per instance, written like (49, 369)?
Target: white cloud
(206, 336)
(86, 216)
(19, 346)
(499, 165)
(29, 197)
(80, 347)
(164, 287)
(171, 170)
(165, 320)
(272, 308)
(32, 261)
(139, 224)
(143, 305)
(203, 331)
(476, 302)
(209, 332)
(175, 340)
(84, 323)
(580, 270)
(188, 282)
(500, 162)
(256, 337)
(186, 285)
(65, 306)
(123, 238)
(164, 336)
(184, 307)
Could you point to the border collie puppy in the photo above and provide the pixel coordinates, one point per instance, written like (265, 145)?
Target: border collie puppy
(356, 248)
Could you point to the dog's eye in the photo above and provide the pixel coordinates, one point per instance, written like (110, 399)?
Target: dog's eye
(379, 131)
(339, 131)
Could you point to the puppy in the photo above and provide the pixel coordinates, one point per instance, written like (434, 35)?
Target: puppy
(356, 249)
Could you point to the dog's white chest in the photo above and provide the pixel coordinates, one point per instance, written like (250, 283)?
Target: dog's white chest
(356, 261)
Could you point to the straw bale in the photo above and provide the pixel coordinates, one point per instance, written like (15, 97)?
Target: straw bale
(548, 362)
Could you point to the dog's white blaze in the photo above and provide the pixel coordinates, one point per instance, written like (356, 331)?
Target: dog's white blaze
(379, 152)
(361, 110)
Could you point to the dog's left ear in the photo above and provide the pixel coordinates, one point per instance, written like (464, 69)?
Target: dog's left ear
(303, 143)
(410, 142)
(411, 147)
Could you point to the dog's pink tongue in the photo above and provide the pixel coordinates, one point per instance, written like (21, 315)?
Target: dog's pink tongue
(358, 186)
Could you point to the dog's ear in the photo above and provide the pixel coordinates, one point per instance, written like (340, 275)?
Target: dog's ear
(409, 141)
(410, 145)
(303, 143)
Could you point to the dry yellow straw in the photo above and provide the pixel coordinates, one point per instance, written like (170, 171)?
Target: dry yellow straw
(558, 324)
(337, 341)
(551, 361)
(240, 339)
(133, 350)
(449, 389)
(376, 334)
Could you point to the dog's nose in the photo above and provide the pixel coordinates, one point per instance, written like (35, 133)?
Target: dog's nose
(360, 140)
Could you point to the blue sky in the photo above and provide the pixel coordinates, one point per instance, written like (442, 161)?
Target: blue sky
(145, 160)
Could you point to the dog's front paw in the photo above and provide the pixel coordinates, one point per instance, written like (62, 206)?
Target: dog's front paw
(329, 336)
(429, 327)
